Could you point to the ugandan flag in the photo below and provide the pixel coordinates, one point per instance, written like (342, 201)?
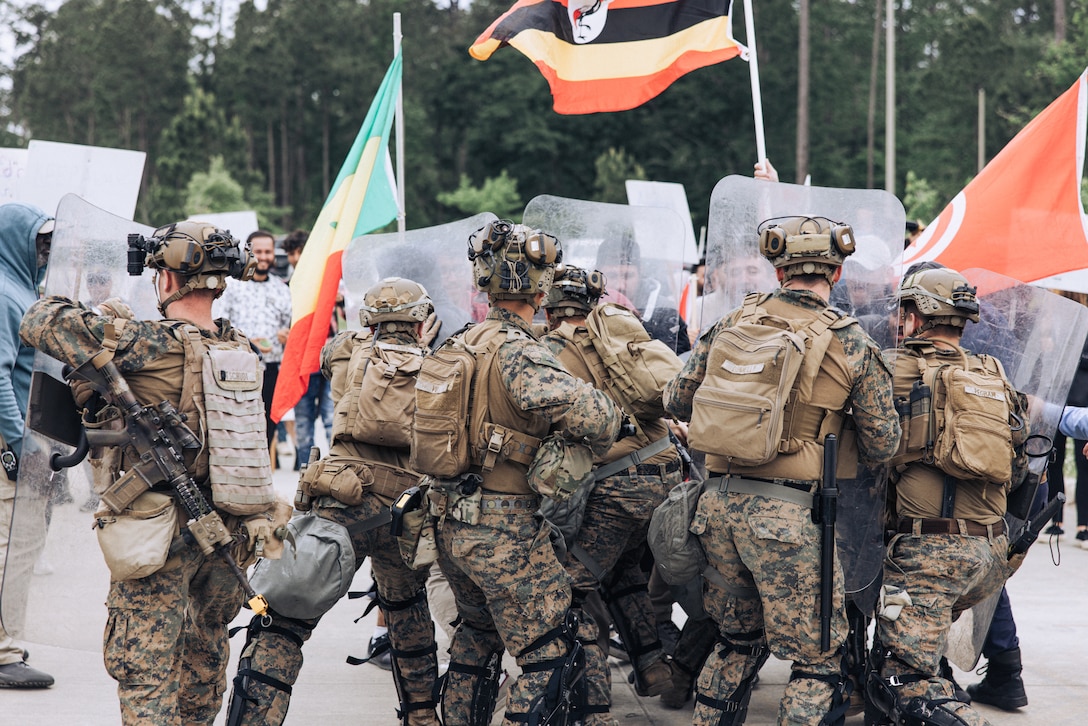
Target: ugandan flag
(613, 55)
(361, 200)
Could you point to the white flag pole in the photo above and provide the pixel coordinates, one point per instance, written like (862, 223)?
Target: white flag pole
(753, 71)
(399, 120)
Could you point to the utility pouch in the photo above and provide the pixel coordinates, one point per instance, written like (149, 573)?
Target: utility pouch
(136, 542)
(560, 468)
(463, 497)
(416, 539)
(344, 479)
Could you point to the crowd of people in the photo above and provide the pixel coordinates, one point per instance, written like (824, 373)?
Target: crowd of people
(504, 478)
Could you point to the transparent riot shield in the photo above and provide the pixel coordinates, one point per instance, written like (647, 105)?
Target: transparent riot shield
(640, 250)
(55, 579)
(735, 267)
(1038, 337)
(435, 257)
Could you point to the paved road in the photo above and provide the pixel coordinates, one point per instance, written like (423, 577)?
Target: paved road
(1047, 600)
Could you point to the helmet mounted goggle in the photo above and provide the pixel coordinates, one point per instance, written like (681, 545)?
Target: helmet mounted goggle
(574, 291)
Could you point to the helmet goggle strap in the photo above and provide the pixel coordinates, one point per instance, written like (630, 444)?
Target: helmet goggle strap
(194, 283)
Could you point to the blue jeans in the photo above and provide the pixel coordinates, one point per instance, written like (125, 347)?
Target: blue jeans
(317, 401)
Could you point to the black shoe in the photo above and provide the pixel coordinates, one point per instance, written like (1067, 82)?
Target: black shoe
(1082, 538)
(20, 675)
(1054, 530)
(377, 652)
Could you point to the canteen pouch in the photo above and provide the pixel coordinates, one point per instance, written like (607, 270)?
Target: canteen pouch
(136, 542)
(417, 541)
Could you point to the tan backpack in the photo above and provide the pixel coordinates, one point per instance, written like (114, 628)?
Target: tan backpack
(754, 368)
(971, 423)
(383, 393)
(634, 366)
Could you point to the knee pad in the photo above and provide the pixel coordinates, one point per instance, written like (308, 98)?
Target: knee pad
(734, 708)
(841, 688)
(924, 712)
(882, 696)
(241, 700)
(485, 688)
(564, 697)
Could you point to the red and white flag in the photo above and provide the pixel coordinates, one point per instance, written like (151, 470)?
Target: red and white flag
(1022, 215)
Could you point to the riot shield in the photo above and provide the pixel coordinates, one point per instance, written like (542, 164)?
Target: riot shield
(735, 267)
(435, 257)
(1038, 337)
(55, 579)
(640, 250)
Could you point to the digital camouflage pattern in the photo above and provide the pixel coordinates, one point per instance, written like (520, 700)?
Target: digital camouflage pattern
(166, 637)
(401, 591)
(410, 628)
(166, 640)
(613, 534)
(944, 575)
(509, 586)
(765, 552)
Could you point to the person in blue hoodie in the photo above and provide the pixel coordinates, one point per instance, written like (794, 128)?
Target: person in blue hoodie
(25, 236)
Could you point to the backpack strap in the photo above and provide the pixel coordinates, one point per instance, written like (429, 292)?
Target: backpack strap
(113, 330)
(804, 421)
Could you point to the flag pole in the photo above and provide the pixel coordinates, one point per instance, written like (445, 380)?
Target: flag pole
(753, 71)
(399, 122)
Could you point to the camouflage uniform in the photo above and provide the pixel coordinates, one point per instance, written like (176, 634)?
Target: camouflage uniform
(166, 637)
(944, 574)
(765, 552)
(612, 537)
(275, 650)
(511, 590)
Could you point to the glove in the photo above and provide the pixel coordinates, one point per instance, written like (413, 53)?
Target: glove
(431, 326)
(82, 391)
(117, 308)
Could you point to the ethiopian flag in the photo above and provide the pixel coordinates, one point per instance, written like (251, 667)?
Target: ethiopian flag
(361, 201)
(613, 55)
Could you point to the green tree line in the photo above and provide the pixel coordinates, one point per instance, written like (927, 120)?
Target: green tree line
(264, 112)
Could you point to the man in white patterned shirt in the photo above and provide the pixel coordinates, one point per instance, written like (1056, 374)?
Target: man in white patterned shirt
(261, 308)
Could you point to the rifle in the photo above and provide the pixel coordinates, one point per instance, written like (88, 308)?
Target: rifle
(1034, 525)
(828, 509)
(159, 435)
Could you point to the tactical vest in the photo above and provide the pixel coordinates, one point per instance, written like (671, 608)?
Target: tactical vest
(503, 438)
(573, 357)
(222, 384)
(814, 408)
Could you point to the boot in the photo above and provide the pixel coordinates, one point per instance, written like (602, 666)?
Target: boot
(680, 687)
(654, 679)
(1002, 687)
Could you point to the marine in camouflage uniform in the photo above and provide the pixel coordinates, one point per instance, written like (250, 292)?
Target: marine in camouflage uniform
(394, 309)
(945, 561)
(764, 549)
(511, 590)
(166, 640)
(607, 550)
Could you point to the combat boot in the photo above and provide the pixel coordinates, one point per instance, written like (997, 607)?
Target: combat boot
(1002, 687)
(654, 679)
(680, 687)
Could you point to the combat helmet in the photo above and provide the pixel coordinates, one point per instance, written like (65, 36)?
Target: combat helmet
(201, 252)
(512, 261)
(942, 295)
(393, 300)
(574, 291)
(806, 245)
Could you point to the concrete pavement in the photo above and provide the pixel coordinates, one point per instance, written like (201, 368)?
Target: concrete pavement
(1050, 614)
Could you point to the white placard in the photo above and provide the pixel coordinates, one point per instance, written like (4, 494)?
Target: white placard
(107, 178)
(12, 169)
(239, 224)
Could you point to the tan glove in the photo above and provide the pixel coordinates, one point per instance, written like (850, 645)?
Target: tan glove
(430, 329)
(81, 392)
(117, 308)
(268, 530)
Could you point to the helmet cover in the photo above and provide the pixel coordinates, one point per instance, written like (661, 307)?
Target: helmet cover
(395, 299)
(574, 291)
(806, 245)
(197, 250)
(942, 295)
